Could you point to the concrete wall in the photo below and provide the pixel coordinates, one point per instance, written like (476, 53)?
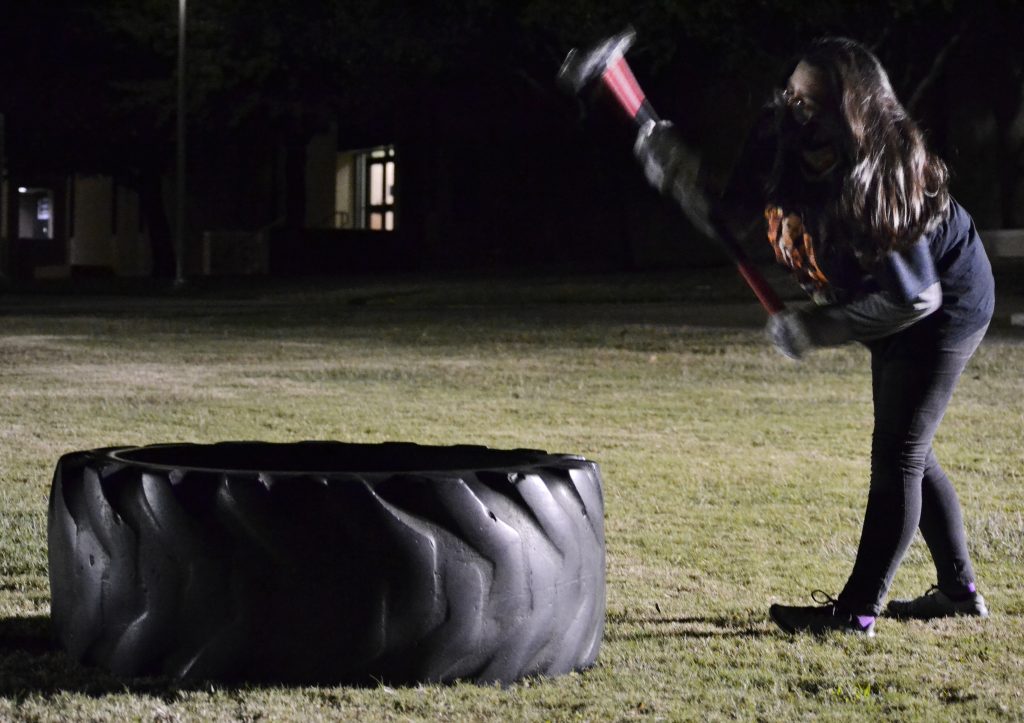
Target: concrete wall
(1004, 243)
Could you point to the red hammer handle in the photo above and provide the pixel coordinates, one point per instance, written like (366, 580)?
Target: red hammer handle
(619, 79)
(760, 286)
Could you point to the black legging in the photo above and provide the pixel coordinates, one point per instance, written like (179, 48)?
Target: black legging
(913, 377)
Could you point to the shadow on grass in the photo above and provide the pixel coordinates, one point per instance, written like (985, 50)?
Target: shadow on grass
(33, 664)
(29, 634)
(627, 627)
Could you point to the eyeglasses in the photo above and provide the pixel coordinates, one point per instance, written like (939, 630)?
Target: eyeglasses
(803, 110)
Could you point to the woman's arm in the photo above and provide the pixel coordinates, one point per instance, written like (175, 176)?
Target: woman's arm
(870, 317)
(905, 290)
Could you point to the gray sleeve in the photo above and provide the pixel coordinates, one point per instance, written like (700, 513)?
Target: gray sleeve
(870, 317)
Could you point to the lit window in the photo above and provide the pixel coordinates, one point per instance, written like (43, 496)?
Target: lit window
(366, 194)
(380, 189)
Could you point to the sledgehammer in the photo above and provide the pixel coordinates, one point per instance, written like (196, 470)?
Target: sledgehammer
(607, 61)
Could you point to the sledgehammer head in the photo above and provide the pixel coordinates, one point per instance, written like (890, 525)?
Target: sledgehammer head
(582, 68)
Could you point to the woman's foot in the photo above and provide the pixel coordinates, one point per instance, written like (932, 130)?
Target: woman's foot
(937, 604)
(827, 616)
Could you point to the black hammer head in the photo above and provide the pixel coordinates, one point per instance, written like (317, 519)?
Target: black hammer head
(581, 68)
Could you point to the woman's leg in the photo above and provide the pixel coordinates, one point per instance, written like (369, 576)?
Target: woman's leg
(942, 527)
(912, 383)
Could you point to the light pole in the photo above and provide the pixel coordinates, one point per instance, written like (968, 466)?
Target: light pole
(179, 211)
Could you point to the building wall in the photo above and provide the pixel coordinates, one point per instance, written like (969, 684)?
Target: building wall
(344, 191)
(92, 243)
(321, 170)
(107, 231)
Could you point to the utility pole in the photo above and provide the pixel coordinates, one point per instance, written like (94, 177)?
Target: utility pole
(179, 211)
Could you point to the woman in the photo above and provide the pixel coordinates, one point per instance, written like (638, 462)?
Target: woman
(860, 210)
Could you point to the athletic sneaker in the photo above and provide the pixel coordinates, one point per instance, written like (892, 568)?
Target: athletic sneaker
(827, 616)
(937, 604)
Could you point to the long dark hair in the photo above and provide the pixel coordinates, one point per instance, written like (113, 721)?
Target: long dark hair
(892, 188)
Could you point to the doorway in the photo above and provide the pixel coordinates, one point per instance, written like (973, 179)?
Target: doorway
(35, 213)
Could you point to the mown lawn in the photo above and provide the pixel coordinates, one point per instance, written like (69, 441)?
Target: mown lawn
(733, 479)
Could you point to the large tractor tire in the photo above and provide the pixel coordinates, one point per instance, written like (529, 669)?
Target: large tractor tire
(324, 562)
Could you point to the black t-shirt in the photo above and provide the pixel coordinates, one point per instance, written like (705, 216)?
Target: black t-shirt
(968, 289)
(952, 254)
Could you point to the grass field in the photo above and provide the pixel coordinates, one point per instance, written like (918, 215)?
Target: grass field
(733, 479)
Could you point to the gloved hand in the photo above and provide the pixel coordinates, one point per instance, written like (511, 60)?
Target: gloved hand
(663, 154)
(788, 331)
(673, 168)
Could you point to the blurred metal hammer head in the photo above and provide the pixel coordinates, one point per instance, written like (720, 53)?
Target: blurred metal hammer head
(583, 67)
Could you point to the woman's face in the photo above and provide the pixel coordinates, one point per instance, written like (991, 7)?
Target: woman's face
(806, 93)
(813, 110)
